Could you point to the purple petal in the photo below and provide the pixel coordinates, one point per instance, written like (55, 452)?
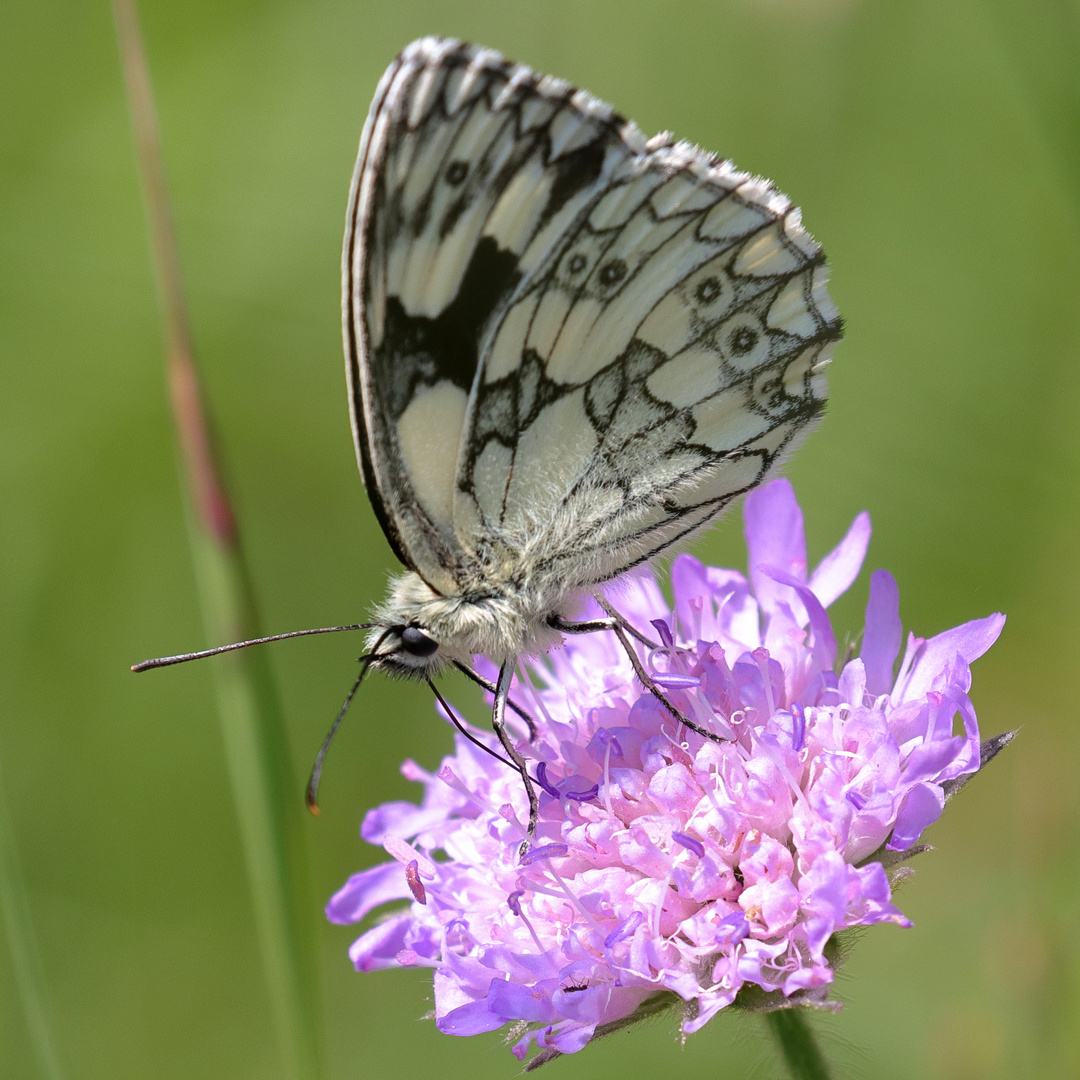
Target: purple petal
(970, 640)
(599, 1003)
(471, 1019)
(689, 583)
(824, 641)
(836, 572)
(569, 1039)
(512, 1001)
(922, 807)
(884, 632)
(400, 819)
(365, 891)
(774, 537)
(379, 947)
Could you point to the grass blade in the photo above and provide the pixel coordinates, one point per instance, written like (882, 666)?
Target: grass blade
(253, 732)
(25, 957)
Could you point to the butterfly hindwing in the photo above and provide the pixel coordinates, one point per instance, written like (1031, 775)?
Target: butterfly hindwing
(659, 363)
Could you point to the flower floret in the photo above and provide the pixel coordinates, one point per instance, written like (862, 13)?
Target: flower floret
(663, 861)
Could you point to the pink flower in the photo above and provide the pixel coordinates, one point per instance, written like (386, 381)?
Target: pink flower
(665, 863)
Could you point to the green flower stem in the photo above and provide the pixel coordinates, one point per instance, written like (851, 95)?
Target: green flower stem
(25, 958)
(267, 801)
(793, 1034)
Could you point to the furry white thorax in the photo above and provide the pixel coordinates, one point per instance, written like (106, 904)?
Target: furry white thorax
(501, 623)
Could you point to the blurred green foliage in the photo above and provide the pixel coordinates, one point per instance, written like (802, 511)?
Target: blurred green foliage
(935, 148)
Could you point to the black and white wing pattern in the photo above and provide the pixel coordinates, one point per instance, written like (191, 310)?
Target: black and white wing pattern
(568, 346)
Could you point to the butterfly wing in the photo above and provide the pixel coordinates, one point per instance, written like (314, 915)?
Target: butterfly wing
(470, 170)
(662, 359)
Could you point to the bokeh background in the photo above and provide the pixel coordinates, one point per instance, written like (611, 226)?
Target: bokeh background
(935, 148)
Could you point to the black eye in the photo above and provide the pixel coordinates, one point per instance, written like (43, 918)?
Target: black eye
(577, 264)
(456, 173)
(416, 643)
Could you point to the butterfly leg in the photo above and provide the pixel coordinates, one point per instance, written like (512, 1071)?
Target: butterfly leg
(623, 631)
(490, 688)
(498, 722)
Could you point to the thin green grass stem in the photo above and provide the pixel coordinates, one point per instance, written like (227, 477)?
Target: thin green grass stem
(267, 800)
(25, 957)
(268, 804)
(795, 1037)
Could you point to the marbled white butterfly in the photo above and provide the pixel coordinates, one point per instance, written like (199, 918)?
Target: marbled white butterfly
(568, 348)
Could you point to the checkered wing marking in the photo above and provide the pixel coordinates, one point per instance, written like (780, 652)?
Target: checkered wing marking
(662, 359)
(471, 170)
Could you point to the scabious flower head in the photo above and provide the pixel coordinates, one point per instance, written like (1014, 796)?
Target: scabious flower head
(666, 864)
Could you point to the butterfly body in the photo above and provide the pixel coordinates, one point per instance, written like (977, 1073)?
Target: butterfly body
(501, 620)
(568, 347)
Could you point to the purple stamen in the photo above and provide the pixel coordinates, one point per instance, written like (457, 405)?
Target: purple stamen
(583, 796)
(513, 901)
(798, 728)
(689, 843)
(664, 631)
(733, 928)
(624, 930)
(674, 680)
(545, 851)
(544, 782)
(416, 886)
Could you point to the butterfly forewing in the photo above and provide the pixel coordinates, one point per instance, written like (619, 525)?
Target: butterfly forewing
(568, 348)
(470, 168)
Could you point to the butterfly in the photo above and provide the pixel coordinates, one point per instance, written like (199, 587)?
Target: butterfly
(568, 349)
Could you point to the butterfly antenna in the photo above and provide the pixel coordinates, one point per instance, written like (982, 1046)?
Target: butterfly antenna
(465, 731)
(489, 686)
(167, 661)
(312, 796)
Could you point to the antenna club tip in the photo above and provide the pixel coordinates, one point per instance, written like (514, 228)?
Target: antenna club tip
(313, 806)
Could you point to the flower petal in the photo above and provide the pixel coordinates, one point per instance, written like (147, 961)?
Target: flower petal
(922, 807)
(970, 641)
(774, 537)
(366, 891)
(835, 573)
(472, 1019)
(884, 632)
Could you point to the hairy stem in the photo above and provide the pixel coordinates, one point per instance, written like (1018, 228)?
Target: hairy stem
(792, 1031)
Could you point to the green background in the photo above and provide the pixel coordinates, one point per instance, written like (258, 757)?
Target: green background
(935, 148)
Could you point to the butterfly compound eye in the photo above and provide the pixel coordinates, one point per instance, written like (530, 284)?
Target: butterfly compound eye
(416, 643)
